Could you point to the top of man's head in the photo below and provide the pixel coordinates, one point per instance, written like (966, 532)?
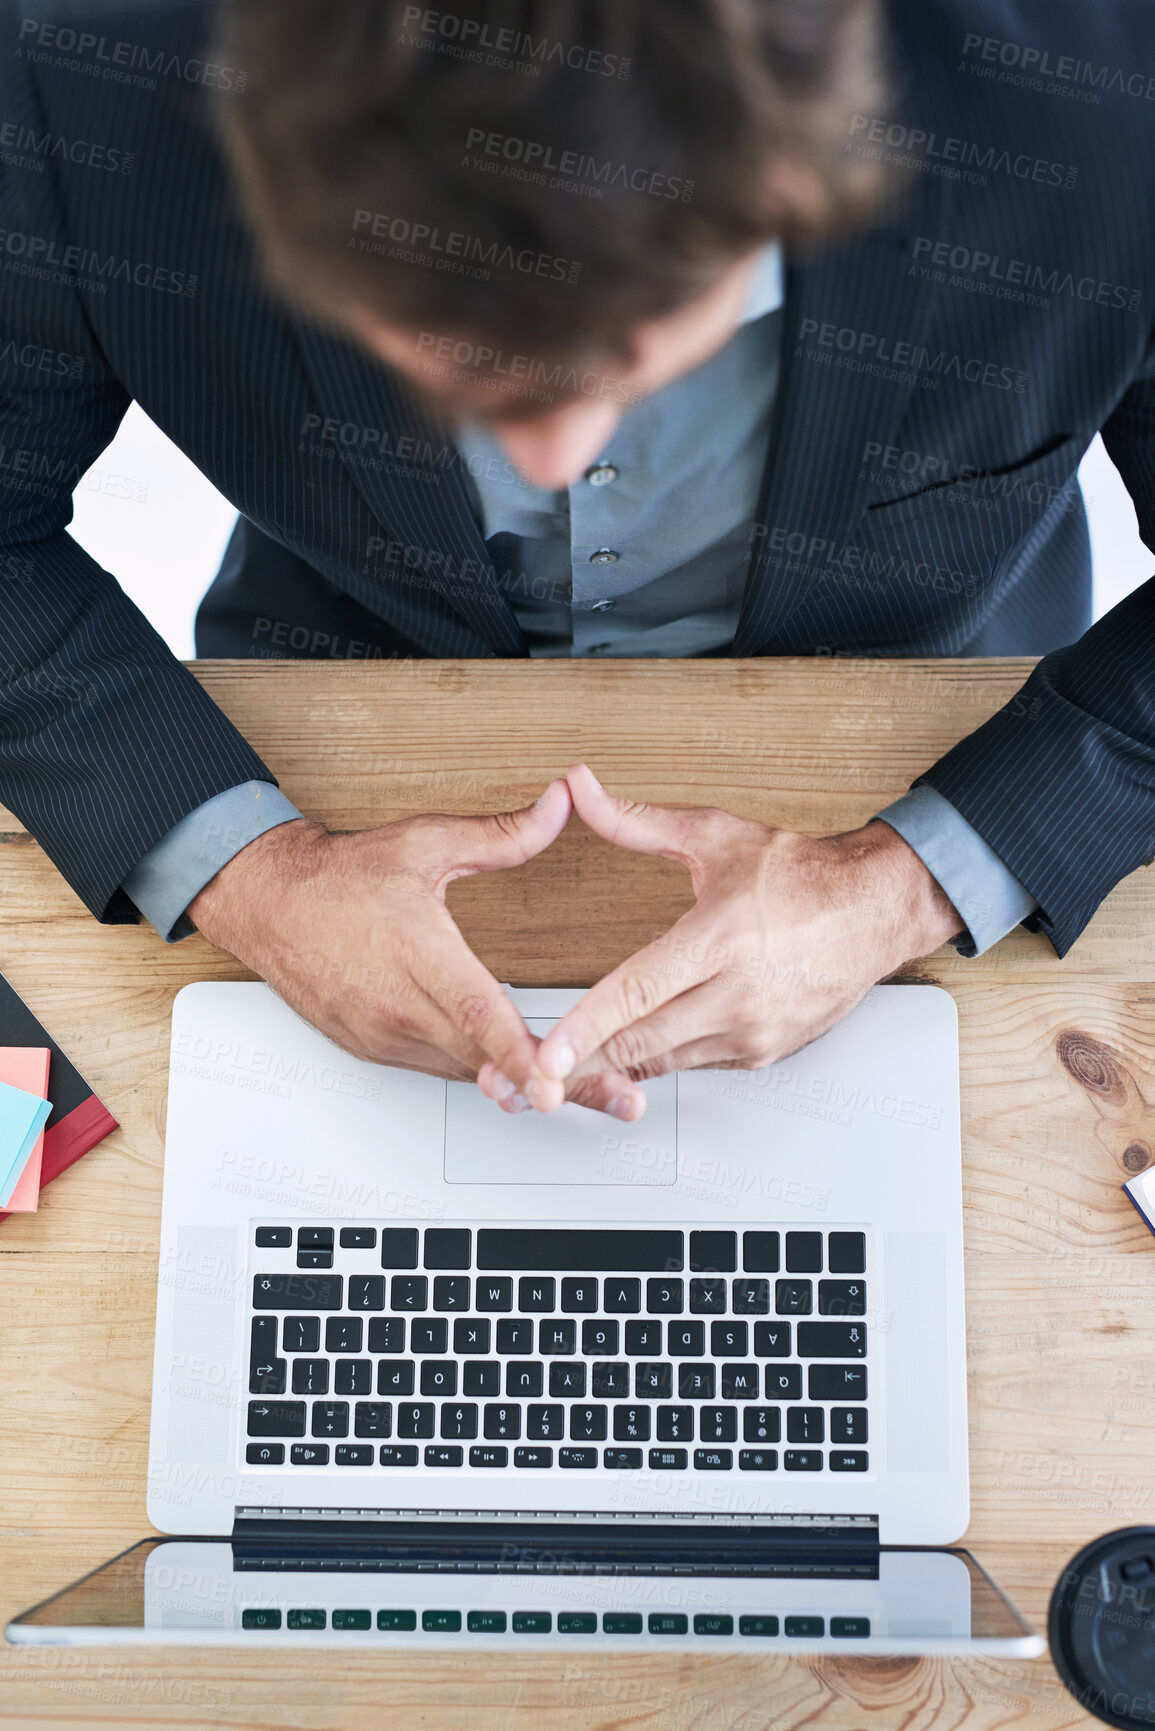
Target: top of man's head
(540, 176)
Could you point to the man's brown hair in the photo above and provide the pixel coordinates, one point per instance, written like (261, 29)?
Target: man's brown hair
(541, 174)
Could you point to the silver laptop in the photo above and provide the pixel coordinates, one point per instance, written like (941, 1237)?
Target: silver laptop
(430, 1375)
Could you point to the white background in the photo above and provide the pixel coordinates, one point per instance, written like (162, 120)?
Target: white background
(148, 516)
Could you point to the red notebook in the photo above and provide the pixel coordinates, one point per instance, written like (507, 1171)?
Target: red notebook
(78, 1120)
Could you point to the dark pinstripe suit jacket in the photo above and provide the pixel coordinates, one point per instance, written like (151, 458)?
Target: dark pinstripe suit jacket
(942, 375)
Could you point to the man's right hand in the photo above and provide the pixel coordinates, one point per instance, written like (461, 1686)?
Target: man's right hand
(352, 931)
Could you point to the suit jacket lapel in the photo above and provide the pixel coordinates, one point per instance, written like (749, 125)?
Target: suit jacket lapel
(435, 521)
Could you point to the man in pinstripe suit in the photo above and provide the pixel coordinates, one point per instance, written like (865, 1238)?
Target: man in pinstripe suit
(590, 328)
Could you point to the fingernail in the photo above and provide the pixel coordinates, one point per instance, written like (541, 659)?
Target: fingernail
(516, 1103)
(593, 777)
(533, 1091)
(542, 797)
(560, 1060)
(619, 1107)
(501, 1085)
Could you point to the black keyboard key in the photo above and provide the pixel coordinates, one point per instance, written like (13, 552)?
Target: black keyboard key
(643, 1338)
(533, 1457)
(697, 1382)
(741, 1382)
(837, 1382)
(387, 1334)
(713, 1460)
(579, 1250)
(489, 1455)
(315, 1238)
(842, 1298)
(622, 1460)
(409, 1292)
(358, 1238)
(415, 1418)
(343, 1333)
(600, 1339)
(265, 1454)
(524, 1380)
(276, 1418)
(353, 1455)
(621, 1297)
(451, 1292)
(675, 1424)
(713, 1252)
(372, 1418)
(439, 1376)
(653, 1381)
(762, 1424)
(545, 1423)
(848, 1461)
(802, 1460)
(448, 1246)
(353, 1376)
(536, 1292)
(399, 1247)
(668, 1460)
(579, 1458)
(852, 1628)
(266, 1371)
(760, 1251)
(302, 1334)
(515, 1334)
(610, 1382)
(274, 1238)
(757, 1460)
(395, 1376)
(397, 1455)
(667, 1623)
(309, 1454)
(751, 1297)
(805, 1424)
(587, 1423)
(502, 1422)
(556, 1338)
(481, 1376)
(330, 1418)
(443, 1455)
(832, 1340)
(567, 1381)
(804, 1253)
(772, 1339)
(631, 1424)
(848, 1425)
(847, 1253)
(471, 1336)
(578, 1296)
(784, 1382)
(458, 1419)
(794, 1297)
(710, 1623)
(297, 1291)
(729, 1339)
(718, 1424)
(708, 1297)
(665, 1297)
(429, 1334)
(686, 1339)
(366, 1292)
(314, 1259)
(310, 1376)
(494, 1294)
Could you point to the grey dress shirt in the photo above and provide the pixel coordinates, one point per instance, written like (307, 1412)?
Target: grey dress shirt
(644, 555)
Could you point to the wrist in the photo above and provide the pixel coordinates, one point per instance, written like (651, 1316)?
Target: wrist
(231, 902)
(913, 914)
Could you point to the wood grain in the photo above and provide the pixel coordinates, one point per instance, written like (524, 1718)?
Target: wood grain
(1058, 1105)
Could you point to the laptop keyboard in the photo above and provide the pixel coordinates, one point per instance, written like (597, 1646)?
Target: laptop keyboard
(584, 1348)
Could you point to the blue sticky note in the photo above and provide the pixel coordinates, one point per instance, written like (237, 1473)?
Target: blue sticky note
(22, 1118)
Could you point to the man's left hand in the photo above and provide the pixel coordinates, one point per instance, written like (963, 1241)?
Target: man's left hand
(788, 933)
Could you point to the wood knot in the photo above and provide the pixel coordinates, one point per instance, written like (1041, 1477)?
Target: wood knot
(1092, 1065)
(1136, 1155)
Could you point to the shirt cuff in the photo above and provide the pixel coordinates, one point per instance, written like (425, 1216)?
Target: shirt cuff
(989, 897)
(195, 849)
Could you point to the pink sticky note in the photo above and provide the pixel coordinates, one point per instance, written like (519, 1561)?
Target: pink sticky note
(27, 1067)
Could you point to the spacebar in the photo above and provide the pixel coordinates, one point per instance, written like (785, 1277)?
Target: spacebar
(579, 1250)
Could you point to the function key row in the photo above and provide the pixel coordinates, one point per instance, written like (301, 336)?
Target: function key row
(489, 1622)
(441, 1455)
(576, 1249)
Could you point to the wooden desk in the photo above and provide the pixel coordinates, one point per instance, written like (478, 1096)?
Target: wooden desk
(1058, 1076)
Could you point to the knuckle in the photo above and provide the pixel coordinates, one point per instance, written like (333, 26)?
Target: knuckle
(639, 994)
(627, 1049)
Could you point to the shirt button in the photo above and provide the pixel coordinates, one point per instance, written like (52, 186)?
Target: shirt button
(601, 474)
(601, 606)
(604, 556)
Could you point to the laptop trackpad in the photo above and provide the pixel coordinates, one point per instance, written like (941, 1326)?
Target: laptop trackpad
(573, 1145)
